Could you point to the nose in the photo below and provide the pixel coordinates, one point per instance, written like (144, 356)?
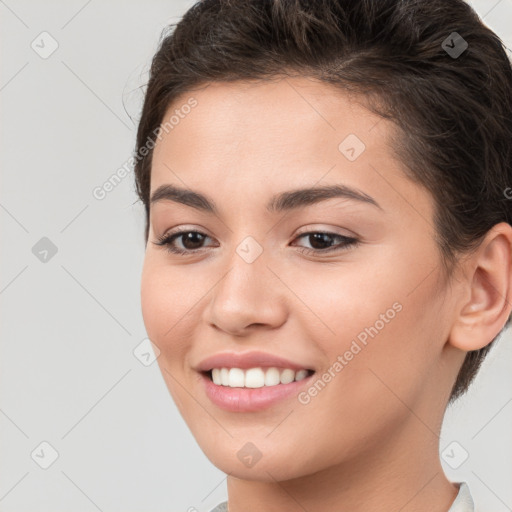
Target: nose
(247, 296)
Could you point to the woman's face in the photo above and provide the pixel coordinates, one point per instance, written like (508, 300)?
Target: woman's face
(370, 318)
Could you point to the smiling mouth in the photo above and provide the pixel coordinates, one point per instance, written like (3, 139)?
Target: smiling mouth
(209, 375)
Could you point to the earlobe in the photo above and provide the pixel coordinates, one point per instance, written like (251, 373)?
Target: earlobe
(489, 286)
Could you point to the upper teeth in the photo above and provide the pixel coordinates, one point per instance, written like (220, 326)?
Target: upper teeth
(255, 377)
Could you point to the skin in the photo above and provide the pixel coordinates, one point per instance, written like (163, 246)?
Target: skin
(369, 441)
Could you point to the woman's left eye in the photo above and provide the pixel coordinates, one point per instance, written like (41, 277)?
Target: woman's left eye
(320, 237)
(315, 237)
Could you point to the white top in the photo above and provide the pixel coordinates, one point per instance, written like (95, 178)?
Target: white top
(463, 501)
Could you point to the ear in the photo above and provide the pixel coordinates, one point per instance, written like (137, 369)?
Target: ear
(488, 283)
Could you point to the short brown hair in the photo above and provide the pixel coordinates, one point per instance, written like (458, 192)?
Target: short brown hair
(453, 112)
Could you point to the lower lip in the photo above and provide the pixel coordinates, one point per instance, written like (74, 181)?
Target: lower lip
(250, 399)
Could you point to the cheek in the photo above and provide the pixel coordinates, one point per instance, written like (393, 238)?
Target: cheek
(164, 310)
(163, 303)
(383, 317)
(370, 393)
(341, 301)
(152, 297)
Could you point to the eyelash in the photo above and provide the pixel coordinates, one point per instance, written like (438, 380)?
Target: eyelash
(167, 239)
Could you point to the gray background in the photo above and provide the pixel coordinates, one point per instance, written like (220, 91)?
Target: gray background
(70, 324)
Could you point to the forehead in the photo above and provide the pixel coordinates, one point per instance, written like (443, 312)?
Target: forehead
(279, 113)
(246, 141)
(267, 127)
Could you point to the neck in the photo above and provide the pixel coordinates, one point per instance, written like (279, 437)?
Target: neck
(403, 473)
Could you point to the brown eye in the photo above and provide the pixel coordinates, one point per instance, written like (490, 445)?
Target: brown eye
(191, 241)
(321, 242)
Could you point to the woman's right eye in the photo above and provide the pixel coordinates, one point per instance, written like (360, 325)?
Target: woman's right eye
(167, 240)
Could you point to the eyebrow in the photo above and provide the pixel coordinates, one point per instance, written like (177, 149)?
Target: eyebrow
(285, 201)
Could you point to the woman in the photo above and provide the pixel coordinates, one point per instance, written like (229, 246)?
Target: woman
(328, 241)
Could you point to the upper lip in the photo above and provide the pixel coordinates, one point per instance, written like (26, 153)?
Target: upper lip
(246, 360)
